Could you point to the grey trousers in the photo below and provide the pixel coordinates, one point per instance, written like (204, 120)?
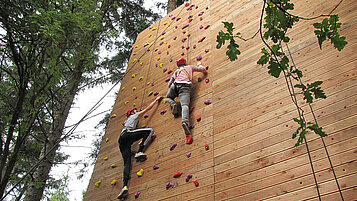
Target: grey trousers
(183, 92)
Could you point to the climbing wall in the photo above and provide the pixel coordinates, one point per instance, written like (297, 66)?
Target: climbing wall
(242, 148)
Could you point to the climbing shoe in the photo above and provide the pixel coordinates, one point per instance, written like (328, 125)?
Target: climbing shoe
(186, 128)
(140, 156)
(123, 193)
(174, 109)
(189, 139)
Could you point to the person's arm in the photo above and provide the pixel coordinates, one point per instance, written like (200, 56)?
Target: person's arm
(149, 106)
(199, 68)
(172, 79)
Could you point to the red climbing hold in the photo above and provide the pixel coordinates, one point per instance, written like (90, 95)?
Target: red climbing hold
(170, 71)
(202, 39)
(192, 108)
(206, 67)
(207, 80)
(187, 4)
(177, 174)
(182, 53)
(201, 18)
(176, 27)
(187, 48)
(169, 46)
(206, 147)
(198, 118)
(196, 183)
(184, 32)
(207, 26)
(190, 20)
(206, 50)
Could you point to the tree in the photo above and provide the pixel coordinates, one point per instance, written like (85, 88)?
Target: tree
(49, 51)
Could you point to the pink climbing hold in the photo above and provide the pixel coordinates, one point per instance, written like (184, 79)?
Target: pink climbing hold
(152, 83)
(163, 112)
(167, 79)
(199, 58)
(173, 18)
(146, 115)
(156, 65)
(163, 33)
(188, 177)
(192, 126)
(207, 101)
(172, 146)
(170, 59)
(136, 96)
(159, 52)
(136, 195)
(164, 70)
(201, 27)
(194, 46)
(161, 43)
(169, 185)
(167, 53)
(175, 37)
(182, 47)
(155, 167)
(188, 154)
(201, 13)
(184, 39)
(189, 17)
(185, 26)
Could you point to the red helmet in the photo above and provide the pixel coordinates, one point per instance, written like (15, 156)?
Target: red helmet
(128, 113)
(181, 61)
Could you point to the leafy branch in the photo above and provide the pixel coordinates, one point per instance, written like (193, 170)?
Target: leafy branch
(277, 22)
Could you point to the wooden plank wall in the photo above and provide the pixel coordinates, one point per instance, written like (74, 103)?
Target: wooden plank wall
(248, 126)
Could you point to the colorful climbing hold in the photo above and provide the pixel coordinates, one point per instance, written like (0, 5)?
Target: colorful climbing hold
(156, 93)
(133, 75)
(113, 165)
(126, 102)
(134, 104)
(155, 167)
(201, 18)
(207, 26)
(154, 28)
(134, 88)
(122, 88)
(106, 139)
(136, 96)
(113, 182)
(192, 126)
(163, 112)
(206, 80)
(182, 54)
(148, 83)
(158, 58)
(136, 194)
(206, 147)
(141, 78)
(169, 185)
(164, 100)
(113, 116)
(200, 13)
(150, 93)
(196, 183)
(190, 20)
(140, 172)
(192, 108)
(194, 46)
(174, 38)
(159, 52)
(184, 39)
(188, 154)
(201, 27)
(199, 58)
(185, 26)
(164, 70)
(172, 146)
(105, 158)
(170, 71)
(146, 44)
(97, 183)
(146, 115)
(207, 101)
(177, 174)
(165, 23)
(198, 118)
(206, 50)
(161, 65)
(167, 79)
(141, 63)
(201, 39)
(152, 83)
(168, 46)
(188, 177)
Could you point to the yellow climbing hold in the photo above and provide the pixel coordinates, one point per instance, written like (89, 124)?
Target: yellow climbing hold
(136, 46)
(161, 65)
(113, 116)
(98, 183)
(156, 49)
(134, 104)
(165, 23)
(141, 63)
(162, 38)
(148, 49)
(141, 78)
(134, 88)
(143, 126)
(141, 141)
(113, 182)
(148, 83)
(154, 28)
(133, 75)
(126, 102)
(105, 158)
(169, 25)
(106, 139)
(134, 53)
(158, 58)
(122, 88)
(149, 35)
(150, 27)
(113, 165)
(165, 43)
(135, 60)
(150, 93)
(146, 44)
(140, 173)
(164, 100)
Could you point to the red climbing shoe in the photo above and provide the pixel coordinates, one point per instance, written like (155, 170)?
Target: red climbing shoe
(177, 174)
(189, 139)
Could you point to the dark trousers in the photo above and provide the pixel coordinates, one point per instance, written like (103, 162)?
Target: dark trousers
(127, 138)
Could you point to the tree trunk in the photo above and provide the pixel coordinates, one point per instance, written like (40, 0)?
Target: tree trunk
(171, 5)
(40, 176)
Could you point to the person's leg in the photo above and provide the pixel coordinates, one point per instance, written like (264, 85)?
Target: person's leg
(144, 134)
(170, 98)
(184, 95)
(125, 150)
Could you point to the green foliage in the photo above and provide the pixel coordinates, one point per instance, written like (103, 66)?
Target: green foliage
(233, 50)
(277, 22)
(60, 190)
(328, 29)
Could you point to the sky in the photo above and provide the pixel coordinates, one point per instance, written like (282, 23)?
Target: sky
(79, 149)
